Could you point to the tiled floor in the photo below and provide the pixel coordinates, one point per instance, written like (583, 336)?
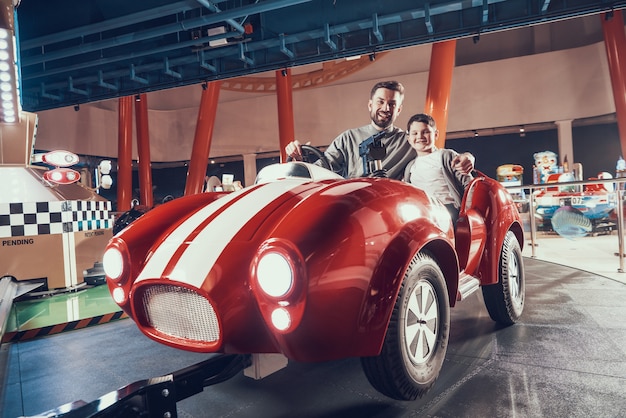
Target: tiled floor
(596, 254)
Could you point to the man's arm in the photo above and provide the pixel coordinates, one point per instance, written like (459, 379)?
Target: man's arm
(336, 156)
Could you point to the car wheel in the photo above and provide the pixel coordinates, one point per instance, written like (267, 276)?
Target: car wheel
(417, 337)
(505, 299)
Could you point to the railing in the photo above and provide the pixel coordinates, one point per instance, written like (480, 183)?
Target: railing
(8, 290)
(615, 188)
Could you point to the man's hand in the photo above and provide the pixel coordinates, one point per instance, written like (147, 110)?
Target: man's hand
(294, 150)
(464, 163)
(380, 174)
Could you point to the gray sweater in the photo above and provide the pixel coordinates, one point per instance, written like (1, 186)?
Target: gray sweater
(343, 152)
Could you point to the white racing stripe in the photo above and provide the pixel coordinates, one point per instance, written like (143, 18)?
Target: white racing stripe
(161, 257)
(200, 256)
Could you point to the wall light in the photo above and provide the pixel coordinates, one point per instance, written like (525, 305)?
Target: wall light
(8, 78)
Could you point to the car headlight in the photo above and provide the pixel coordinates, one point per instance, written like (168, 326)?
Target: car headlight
(119, 295)
(281, 319)
(279, 284)
(113, 263)
(274, 274)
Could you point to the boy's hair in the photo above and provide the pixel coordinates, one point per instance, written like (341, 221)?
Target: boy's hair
(424, 118)
(390, 85)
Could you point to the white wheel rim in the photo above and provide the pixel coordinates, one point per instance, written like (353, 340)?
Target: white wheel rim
(421, 322)
(514, 279)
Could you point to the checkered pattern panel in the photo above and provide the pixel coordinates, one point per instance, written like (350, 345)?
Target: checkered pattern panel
(89, 215)
(40, 218)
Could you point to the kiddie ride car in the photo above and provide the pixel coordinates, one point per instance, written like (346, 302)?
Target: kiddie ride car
(309, 266)
(568, 208)
(511, 176)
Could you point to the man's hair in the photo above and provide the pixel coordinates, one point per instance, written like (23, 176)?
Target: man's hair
(422, 117)
(390, 85)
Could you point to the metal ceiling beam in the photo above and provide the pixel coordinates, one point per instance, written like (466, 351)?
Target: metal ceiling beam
(128, 20)
(270, 43)
(184, 25)
(331, 44)
(284, 49)
(427, 20)
(274, 44)
(544, 7)
(214, 9)
(224, 52)
(485, 12)
(118, 58)
(104, 84)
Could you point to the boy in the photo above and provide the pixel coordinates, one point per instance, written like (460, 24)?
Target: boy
(433, 170)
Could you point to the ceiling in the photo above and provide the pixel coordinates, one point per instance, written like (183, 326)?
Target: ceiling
(80, 51)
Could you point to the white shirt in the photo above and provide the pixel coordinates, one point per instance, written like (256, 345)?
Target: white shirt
(427, 174)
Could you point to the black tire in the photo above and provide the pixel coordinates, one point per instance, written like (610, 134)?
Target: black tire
(417, 337)
(505, 299)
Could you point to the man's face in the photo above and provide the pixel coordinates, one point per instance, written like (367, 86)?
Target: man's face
(385, 107)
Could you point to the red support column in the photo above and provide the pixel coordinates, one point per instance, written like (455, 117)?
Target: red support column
(439, 86)
(615, 43)
(286, 130)
(143, 150)
(202, 139)
(125, 154)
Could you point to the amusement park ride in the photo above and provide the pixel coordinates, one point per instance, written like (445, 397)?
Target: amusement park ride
(562, 206)
(52, 226)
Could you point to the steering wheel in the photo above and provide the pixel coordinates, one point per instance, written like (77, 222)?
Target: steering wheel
(311, 154)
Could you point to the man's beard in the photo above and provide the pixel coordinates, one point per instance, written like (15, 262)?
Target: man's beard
(381, 123)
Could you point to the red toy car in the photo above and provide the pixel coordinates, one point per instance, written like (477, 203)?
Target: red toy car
(315, 267)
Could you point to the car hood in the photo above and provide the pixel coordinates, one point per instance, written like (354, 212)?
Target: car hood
(234, 217)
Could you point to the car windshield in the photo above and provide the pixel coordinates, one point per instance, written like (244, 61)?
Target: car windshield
(294, 169)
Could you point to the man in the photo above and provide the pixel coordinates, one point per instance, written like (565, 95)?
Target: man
(385, 104)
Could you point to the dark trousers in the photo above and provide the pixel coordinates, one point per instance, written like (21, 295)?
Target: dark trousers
(454, 212)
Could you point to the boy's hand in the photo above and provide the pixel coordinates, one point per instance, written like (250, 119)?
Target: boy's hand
(464, 163)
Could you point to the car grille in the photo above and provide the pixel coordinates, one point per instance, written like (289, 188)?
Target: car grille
(180, 312)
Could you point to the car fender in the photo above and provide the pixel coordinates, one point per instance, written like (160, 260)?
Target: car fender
(388, 276)
(488, 198)
(356, 263)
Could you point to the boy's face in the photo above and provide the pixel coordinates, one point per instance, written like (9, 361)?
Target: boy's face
(422, 137)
